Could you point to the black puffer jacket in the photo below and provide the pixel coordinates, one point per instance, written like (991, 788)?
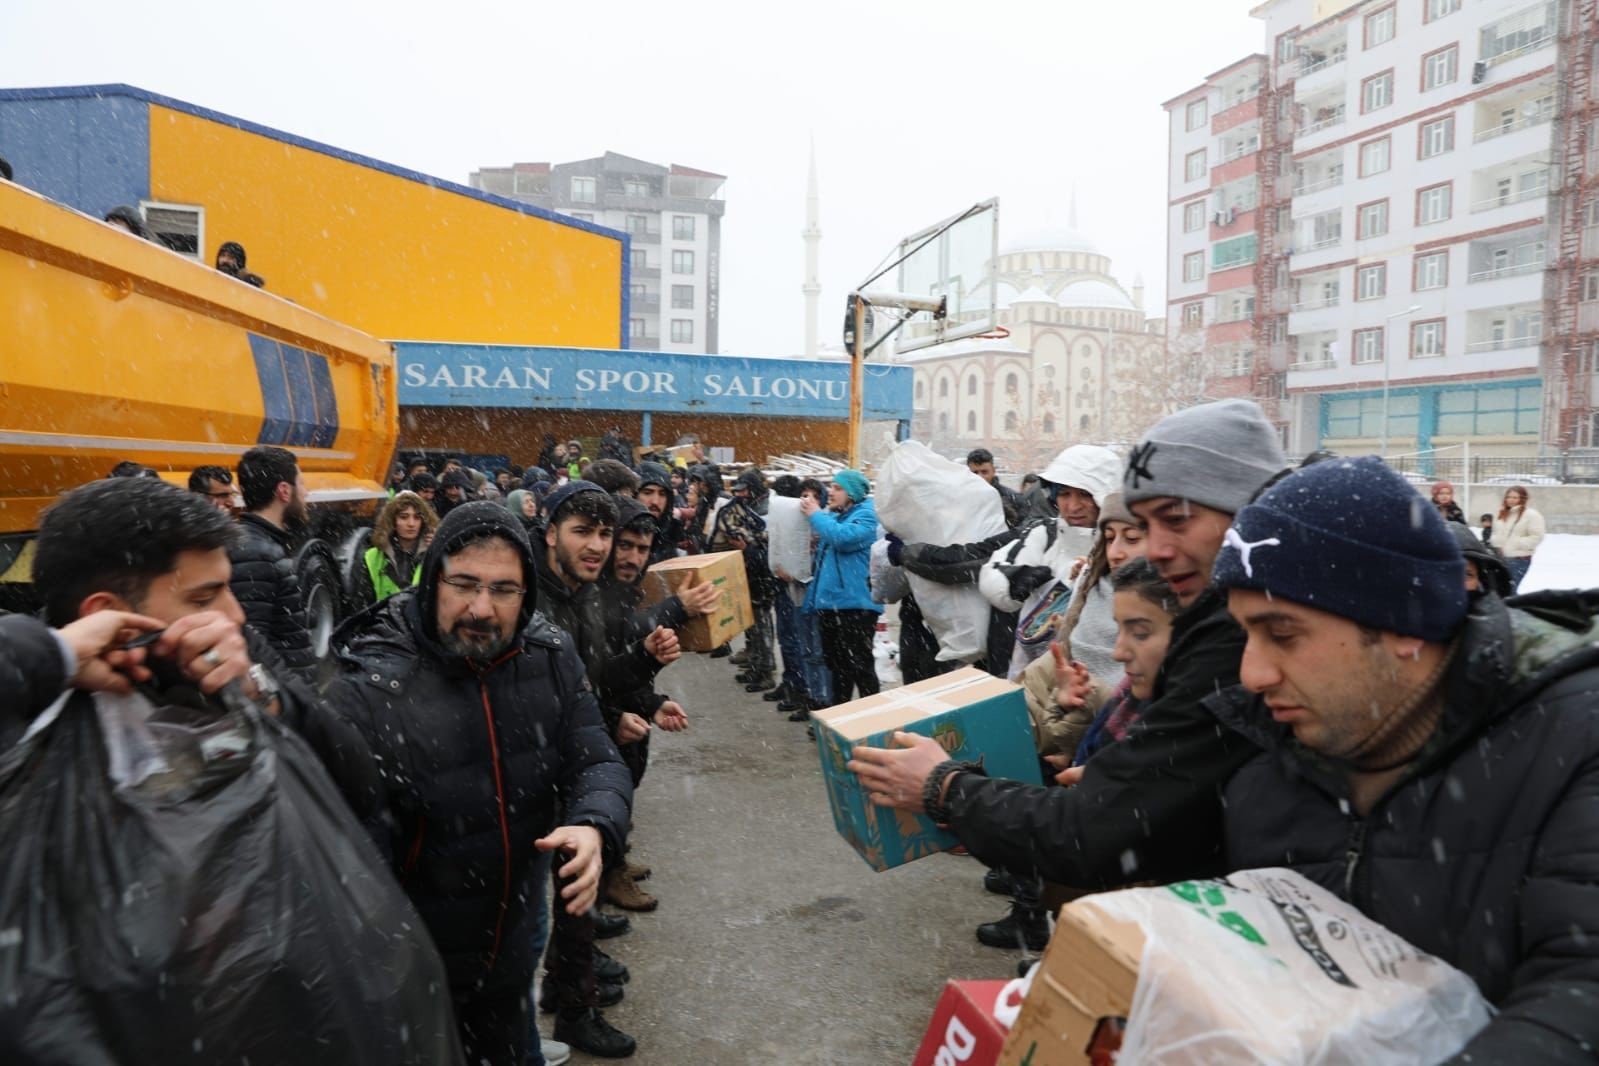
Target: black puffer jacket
(478, 758)
(1486, 853)
(267, 588)
(668, 528)
(33, 672)
(1147, 808)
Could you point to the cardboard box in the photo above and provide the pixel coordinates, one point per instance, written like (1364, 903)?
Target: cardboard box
(976, 717)
(733, 613)
(964, 1029)
(1081, 994)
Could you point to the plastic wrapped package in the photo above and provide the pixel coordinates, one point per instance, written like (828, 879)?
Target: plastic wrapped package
(1268, 967)
(888, 581)
(788, 538)
(924, 498)
(185, 886)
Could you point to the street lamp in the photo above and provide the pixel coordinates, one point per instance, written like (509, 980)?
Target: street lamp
(1387, 368)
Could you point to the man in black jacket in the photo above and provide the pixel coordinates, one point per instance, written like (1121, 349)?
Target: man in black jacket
(264, 581)
(1131, 816)
(1436, 767)
(742, 526)
(655, 493)
(493, 751)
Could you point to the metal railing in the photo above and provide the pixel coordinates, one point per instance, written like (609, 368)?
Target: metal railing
(1307, 188)
(1576, 467)
(1506, 199)
(1504, 344)
(1335, 119)
(1510, 271)
(1511, 127)
(1325, 242)
(1533, 45)
(1315, 305)
(1238, 153)
(1311, 63)
(1320, 363)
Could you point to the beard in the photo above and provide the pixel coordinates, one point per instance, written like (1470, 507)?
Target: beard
(297, 513)
(475, 639)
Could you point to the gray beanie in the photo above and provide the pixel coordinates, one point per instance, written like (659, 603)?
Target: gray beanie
(1217, 455)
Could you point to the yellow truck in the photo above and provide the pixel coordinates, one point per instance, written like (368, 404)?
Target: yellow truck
(113, 348)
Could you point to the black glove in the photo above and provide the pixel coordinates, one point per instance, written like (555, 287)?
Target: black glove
(1025, 580)
(896, 550)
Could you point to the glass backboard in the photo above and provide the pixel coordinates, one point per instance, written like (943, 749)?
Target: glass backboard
(951, 259)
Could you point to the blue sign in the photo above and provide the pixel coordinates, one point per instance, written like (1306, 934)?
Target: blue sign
(479, 375)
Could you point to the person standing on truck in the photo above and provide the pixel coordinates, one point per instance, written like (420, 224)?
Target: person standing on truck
(264, 581)
(230, 261)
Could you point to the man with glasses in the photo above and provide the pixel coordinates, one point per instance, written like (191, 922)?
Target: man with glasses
(493, 756)
(215, 483)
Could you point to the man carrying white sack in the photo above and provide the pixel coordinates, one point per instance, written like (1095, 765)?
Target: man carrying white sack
(1433, 762)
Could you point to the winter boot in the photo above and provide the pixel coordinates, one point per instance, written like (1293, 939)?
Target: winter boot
(638, 871)
(1000, 883)
(721, 653)
(778, 694)
(608, 994)
(589, 1032)
(758, 683)
(607, 926)
(1023, 927)
(608, 970)
(740, 658)
(622, 891)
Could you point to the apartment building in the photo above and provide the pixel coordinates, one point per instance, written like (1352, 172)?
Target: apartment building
(672, 215)
(1426, 227)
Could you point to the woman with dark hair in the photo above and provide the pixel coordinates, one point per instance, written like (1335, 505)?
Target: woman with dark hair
(1518, 530)
(399, 537)
(1443, 498)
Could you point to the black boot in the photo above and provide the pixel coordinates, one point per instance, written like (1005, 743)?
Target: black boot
(609, 970)
(1023, 927)
(589, 1032)
(999, 882)
(758, 683)
(801, 713)
(721, 653)
(607, 994)
(607, 926)
(778, 694)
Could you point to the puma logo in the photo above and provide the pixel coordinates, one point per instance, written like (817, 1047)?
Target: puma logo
(1245, 548)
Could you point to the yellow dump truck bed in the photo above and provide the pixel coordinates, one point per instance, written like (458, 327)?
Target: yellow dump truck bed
(115, 348)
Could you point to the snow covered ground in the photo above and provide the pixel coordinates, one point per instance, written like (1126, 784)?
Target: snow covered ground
(1564, 561)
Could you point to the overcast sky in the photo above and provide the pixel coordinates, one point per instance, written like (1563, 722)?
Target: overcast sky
(918, 109)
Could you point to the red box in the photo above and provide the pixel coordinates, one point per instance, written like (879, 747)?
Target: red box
(963, 1031)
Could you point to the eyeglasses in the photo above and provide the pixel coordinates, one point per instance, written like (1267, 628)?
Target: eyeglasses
(499, 592)
(225, 494)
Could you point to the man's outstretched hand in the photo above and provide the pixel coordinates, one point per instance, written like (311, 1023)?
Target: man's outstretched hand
(671, 717)
(582, 869)
(894, 777)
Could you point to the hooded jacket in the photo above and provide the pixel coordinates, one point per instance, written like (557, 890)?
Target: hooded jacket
(1492, 573)
(841, 578)
(668, 527)
(268, 589)
(1485, 852)
(746, 519)
(702, 528)
(478, 758)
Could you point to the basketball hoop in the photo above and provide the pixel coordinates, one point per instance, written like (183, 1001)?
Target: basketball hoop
(998, 333)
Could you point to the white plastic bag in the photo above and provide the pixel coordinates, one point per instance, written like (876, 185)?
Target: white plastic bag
(887, 580)
(1267, 967)
(788, 538)
(924, 498)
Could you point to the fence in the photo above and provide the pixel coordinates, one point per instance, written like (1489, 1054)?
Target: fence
(1568, 468)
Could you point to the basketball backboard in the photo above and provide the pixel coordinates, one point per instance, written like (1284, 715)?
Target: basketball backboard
(951, 259)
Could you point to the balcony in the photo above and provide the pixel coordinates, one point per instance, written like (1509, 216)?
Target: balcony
(648, 302)
(1317, 185)
(1505, 199)
(1505, 344)
(1311, 62)
(639, 273)
(1517, 45)
(1590, 242)
(1508, 271)
(1316, 304)
(1246, 147)
(1526, 122)
(645, 236)
(1324, 120)
(1330, 241)
(1588, 316)
(644, 343)
(1320, 362)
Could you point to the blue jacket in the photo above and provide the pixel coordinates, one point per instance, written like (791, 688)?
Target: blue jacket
(839, 580)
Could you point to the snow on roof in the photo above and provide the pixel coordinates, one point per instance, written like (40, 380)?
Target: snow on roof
(1034, 295)
(1052, 239)
(690, 172)
(1095, 294)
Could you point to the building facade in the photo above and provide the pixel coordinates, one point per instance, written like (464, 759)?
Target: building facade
(673, 218)
(1425, 226)
(1079, 360)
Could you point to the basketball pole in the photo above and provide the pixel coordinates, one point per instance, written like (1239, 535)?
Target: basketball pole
(857, 380)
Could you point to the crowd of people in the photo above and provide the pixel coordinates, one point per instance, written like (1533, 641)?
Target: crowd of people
(1228, 663)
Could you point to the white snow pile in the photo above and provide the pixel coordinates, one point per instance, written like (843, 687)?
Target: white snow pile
(1563, 561)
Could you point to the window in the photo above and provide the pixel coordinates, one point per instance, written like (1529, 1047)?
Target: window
(1194, 266)
(1518, 34)
(1012, 422)
(639, 259)
(971, 386)
(1235, 252)
(1196, 114)
(1368, 346)
(1324, 230)
(583, 190)
(682, 331)
(1380, 27)
(635, 329)
(1193, 315)
(1371, 220)
(1011, 383)
(682, 262)
(1194, 165)
(682, 297)
(1434, 204)
(1241, 308)
(921, 389)
(1193, 216)
(1371, 282)
(180, 227)
(1437, 137)
(1374, 157)
(682, 227)
(943, 389)
(1431, 271)
(635, 290)
(1437, 9)
(1427, 339)
(636, 187)
(1440, 67)
(1590, 286)
(638, 224)
(1489, 411)
(1377, 91)
(1361, 416)
(971, 421)
(582, 216)
(943, 420)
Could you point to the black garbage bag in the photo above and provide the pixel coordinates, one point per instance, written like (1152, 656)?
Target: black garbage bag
(187, 886)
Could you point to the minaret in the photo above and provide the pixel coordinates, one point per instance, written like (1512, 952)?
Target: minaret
(813, 249)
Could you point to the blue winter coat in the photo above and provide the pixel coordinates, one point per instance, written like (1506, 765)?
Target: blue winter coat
(839, 579)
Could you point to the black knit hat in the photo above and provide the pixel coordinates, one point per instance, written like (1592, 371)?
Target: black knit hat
(1352, 538)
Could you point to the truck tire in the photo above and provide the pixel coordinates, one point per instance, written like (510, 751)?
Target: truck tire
(321, 594)
(355, 584)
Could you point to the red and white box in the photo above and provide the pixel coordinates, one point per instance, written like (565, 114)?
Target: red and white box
(964, 1030)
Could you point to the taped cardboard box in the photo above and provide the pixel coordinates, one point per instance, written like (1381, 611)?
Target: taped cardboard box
(725, 570)
(964, 1028)
(975, 716)
(1262, 966)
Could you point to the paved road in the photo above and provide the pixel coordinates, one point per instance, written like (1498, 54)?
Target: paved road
(775, 942)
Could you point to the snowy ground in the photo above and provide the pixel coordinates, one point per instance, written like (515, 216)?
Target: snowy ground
(1564, 561)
